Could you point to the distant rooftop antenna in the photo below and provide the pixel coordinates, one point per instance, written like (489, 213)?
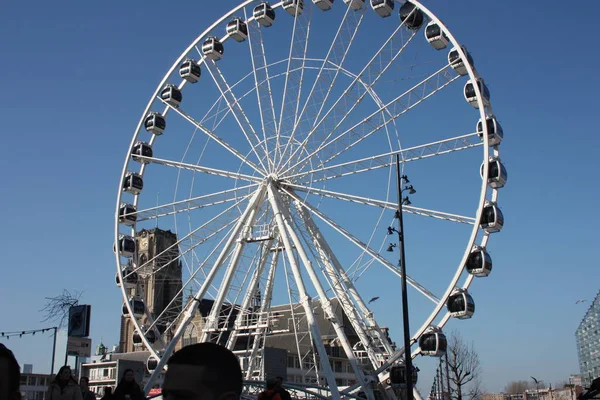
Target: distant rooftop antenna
(157, 194)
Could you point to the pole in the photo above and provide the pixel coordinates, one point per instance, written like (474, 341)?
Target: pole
(53, 352)
(407, 355)
(448, 378)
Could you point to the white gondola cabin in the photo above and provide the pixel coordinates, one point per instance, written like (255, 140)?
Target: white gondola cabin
(355, 4)
(139, 150)
(138, 308)
(398, 375)
(151, 364)
(435, 36)
(126, 246)
(411, 16)
(492, 219)
(497, 174)
(190, 71)
(171, 95)
(127, 215)
(471, 95)
(237, 29)
(495, 132)
(383, 8)
(293, 7)
(131, 277)
(460, 304)
(457, 63)
(433, 342)
(212, 48)
(479, 262)
(155, 123)
(324, 5)
(133, 183)
(264, 14)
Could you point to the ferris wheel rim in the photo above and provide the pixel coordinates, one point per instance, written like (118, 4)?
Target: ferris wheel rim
(472, 74)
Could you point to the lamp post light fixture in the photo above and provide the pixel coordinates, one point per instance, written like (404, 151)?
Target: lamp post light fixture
(403, 179)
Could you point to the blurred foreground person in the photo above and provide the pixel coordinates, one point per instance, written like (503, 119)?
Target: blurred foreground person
(128, 388)
(10, 375)
(84, 384)
(108, 394)
(285, 395)
(203, 371)
(64, 387)
(271, 392)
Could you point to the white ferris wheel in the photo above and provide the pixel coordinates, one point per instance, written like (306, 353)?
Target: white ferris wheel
(268, 151)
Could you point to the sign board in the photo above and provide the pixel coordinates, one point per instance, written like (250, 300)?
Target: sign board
(79, 320)
(80, 347)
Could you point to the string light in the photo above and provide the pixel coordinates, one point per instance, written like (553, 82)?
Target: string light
(32, 332)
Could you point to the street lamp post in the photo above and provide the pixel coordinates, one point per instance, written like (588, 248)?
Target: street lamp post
(402, 263)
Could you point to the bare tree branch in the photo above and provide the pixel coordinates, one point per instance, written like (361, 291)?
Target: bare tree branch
(464, 368)
(56, 309)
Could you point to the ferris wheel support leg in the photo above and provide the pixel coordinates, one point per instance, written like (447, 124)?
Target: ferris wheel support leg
(325, 303)
(193, 305)
(212, 322)
(276, 202)
(250, 293)
(334, 272)
(264, 307)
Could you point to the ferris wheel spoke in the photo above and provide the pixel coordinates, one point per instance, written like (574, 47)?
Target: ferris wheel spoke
(384, 115)
(198, 202)
(363, 246)
(384, 204)
(360, 86)
(262, 83)
(236, 109)
(324, 82)
(385, 160)
(217, 139)
(292, 88)
(199, 168)
(180, 245)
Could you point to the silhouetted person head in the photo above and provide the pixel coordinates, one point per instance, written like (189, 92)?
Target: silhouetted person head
(84, 382)
(64, 375)
(128, 376)
(10, 375)
(279, 381)
(272, 384)
(203, 371)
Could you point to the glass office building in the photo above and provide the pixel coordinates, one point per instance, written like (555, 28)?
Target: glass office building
(588, 342)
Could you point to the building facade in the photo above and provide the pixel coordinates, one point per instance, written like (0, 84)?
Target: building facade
(588, 343)
(34, 386)
(159, 282)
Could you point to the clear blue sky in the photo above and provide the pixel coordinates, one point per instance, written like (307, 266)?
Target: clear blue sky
(77, 76)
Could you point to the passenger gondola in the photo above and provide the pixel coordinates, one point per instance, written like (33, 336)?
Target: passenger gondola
(411, 16)
(324, 4)
(155, 123)
(127, 215)
(433, 342)
(383, 8)
(151, 364)
(435, 36)
(355, 4)
(264, 14)
(479, 262)
(398, 375)
(457, 63)
(138, 308)
(171, 95)
(137, 338)
(237, 29)
(190, 71)
(492, 219)
(497, 174)
(131, 277)
(471, 94)
(495, 132)
(126, 246)
(212, 48)
(460, 304)
(133, 183)
(293, 7)
(139, 150)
